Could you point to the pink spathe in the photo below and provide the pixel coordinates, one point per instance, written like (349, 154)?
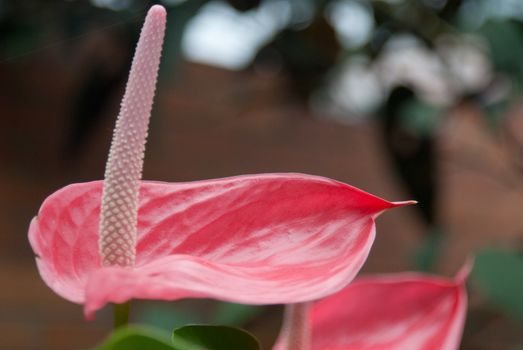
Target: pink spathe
(390, 312)
(256, 239)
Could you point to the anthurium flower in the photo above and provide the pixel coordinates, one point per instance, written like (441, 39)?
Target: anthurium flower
(256, 239)
(383, 312)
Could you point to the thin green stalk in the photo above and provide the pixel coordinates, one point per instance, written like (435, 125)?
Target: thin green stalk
(121, 315)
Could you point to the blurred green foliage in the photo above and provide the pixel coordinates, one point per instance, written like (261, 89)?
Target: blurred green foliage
(207, 337)
(136, 338)
(193, 337)
(168, 316)
(498, 275)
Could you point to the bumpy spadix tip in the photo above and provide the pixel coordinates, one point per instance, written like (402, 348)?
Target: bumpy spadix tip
(125, 163)
(157, 10)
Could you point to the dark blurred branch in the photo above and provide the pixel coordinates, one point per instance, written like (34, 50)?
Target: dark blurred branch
(450, 9)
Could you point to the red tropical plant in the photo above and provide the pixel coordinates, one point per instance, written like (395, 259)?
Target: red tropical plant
(257, 239)
(383, 312)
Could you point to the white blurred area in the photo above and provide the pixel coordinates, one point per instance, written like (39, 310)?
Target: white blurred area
(353, 22)
(221, 36)
(224, 37)
(459, 66)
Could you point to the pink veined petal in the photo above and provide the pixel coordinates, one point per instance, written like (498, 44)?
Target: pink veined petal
(257, 239)
(385, 312)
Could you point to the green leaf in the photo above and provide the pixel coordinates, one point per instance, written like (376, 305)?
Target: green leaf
(137, 338)
(207, 337)
(499, 275)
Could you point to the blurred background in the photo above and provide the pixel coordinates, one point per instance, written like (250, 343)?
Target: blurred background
(407, 99)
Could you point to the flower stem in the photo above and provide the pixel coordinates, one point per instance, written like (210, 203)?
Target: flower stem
(295, 333)
(121, 315)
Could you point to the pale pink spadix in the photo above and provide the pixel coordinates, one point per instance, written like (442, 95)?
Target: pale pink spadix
(123, 171)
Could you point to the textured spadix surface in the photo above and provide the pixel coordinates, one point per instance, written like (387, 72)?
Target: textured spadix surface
(125, 162)
(386, 312)
(258, 239)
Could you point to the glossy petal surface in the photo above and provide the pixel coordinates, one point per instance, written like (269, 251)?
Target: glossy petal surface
(260, 239)
(401, 311)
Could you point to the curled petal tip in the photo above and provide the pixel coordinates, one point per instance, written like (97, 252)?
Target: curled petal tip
(404, 203)
(464, 272)
(386, 205)
(392, 205)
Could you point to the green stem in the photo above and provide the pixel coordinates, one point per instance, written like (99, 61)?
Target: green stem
(121, 315)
